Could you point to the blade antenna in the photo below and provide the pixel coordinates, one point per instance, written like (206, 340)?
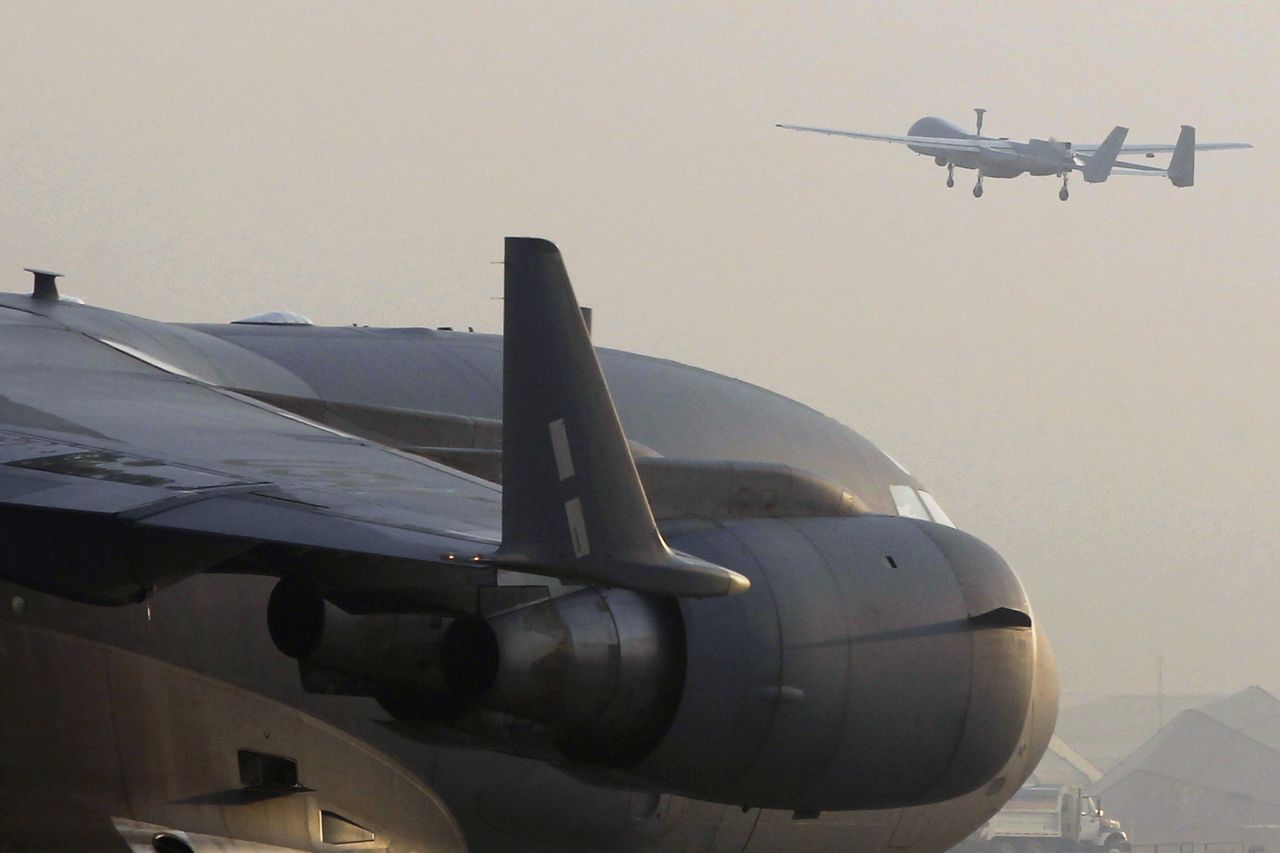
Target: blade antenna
(46, 284)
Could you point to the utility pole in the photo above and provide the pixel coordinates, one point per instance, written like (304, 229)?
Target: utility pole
(1159, 692)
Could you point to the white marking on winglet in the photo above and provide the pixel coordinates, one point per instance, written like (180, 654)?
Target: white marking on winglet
(577, 527)
(560, 447)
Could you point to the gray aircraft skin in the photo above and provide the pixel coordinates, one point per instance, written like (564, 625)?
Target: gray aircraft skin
(263, 592)
(953, 147)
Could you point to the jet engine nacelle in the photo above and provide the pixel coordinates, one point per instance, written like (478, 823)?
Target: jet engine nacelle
(875, 662)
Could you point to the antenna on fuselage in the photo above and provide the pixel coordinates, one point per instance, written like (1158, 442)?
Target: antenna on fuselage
(980, 111)
(46, 286)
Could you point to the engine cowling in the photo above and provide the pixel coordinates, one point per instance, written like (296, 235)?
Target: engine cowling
(876, 662)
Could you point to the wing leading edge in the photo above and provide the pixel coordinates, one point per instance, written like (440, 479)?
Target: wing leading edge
(947, 143)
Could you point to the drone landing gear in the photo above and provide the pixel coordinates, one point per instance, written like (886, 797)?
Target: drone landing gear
(977, 188)
(1062, 193)
(951, 175)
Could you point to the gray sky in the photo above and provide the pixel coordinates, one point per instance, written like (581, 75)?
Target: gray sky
(1089, 386)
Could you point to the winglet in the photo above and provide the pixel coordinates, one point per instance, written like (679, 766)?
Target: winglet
(572, 502)
(1182, 166)
(1098, 167)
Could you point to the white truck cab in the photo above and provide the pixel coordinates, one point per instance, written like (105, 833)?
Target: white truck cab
(1052, 819)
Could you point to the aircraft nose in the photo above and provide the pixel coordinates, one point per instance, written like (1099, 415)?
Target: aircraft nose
(1003, 658)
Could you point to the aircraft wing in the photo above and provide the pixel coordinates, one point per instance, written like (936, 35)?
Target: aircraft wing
(136, 452)
(1163, 148)
(128, 460)
(1123, 168)
(94, 441)
(949, 144)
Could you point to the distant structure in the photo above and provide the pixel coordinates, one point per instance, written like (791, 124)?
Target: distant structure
(1063, 765)
(1211, 775)
(1108, 729)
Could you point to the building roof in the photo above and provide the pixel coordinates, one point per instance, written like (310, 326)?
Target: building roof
(1230, 746)
(1105, 730)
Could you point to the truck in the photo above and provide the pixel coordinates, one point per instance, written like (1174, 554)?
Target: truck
(1052, 819)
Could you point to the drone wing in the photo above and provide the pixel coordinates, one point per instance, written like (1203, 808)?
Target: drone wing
(1161, 148)
(939, 142)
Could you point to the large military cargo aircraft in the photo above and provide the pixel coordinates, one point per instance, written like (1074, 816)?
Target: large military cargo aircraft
(268, 586)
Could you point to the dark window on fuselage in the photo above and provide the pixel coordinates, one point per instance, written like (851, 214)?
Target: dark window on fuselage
(259, 770)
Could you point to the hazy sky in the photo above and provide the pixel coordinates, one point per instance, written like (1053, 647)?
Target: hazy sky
(1090, 386)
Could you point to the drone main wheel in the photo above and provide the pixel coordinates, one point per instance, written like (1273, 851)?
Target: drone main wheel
(977, 192)
(951, 182)
(1063, 194)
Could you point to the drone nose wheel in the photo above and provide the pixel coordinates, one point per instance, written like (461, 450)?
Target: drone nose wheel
(1063, 194)
(951, 175)
(977, 191)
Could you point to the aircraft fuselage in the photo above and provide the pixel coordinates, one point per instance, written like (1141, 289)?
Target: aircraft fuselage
(181, 711)
(1035, 157)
